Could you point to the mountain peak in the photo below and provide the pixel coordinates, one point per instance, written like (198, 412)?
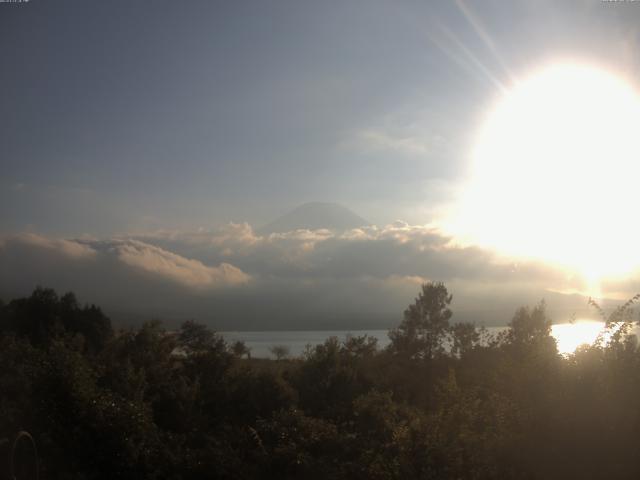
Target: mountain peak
(314, 216)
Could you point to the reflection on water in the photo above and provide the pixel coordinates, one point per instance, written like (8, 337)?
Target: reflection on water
(568, 336)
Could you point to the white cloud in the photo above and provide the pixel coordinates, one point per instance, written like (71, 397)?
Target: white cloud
(69, 248)
(192, 273)
(122, 253)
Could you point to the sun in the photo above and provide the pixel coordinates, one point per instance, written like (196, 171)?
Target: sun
(555, 172)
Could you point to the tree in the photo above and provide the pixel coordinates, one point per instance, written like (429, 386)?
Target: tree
(196, 338)
(240, 349)
(464, 336)
(426, 322)
(36, 317)
(363, 346)
(280, 351)
(88, 321)
(44, 316)
(331, 376)
(531, 328)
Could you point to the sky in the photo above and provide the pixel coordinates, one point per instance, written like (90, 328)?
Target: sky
(153, 139)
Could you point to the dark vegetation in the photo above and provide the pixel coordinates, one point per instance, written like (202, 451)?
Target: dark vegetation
(444, 401)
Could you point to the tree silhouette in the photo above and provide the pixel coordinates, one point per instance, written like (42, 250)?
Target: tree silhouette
(439, 403)
(240, 349)
(464, 336)
(426, 322)
(280, 352)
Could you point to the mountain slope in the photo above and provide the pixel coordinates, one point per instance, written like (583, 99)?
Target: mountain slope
(313, 216)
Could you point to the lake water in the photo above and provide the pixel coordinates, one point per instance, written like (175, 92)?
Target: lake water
(568, 336)
(296, 341)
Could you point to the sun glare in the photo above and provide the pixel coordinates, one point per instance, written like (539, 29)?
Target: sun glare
(570, 336)
(555, 172)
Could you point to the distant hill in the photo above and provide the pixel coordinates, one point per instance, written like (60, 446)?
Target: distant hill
(313, 216)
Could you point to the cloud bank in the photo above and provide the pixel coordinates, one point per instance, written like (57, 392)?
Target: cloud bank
(235, 278)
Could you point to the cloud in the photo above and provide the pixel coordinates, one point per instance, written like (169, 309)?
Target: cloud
(192, 273)
(396, 249)
(67, 248)
(101, 259)
(235, 278)
(374, 272)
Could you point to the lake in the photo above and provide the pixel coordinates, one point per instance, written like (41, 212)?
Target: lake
(568, 336)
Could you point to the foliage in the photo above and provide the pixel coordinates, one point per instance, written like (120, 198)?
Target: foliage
(425, 324)
(444, 401)
(280, 351)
